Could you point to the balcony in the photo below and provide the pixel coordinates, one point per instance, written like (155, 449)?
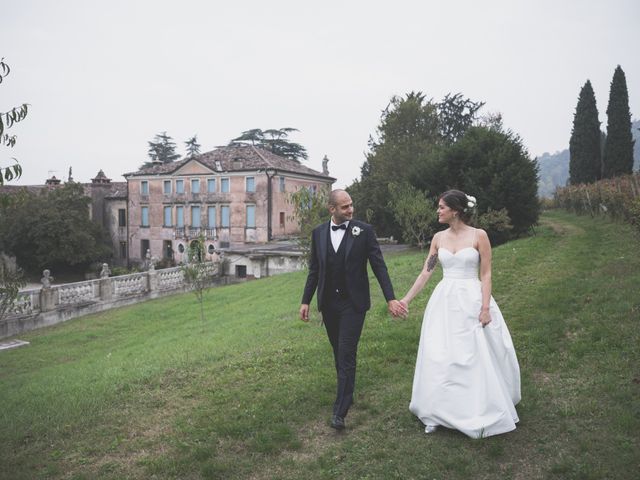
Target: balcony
(195, 232)
(202, 197)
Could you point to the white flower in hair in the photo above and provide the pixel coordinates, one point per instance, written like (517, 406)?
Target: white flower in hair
(471, 201)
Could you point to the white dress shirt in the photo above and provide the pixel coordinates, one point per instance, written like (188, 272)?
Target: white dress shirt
(337, 235)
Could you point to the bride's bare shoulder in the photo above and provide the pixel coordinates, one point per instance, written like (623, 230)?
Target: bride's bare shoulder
(436, 238)
(482, 238)
(481, 233)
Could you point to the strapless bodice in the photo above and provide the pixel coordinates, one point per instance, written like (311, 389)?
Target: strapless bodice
(460, 265)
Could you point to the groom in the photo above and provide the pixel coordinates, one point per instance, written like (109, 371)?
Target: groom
(340, 250)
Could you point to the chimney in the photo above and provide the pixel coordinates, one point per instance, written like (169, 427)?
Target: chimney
(100, 179)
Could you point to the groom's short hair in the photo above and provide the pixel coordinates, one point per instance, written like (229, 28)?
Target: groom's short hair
(333, 196)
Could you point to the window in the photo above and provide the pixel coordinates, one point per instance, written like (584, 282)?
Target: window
(179, 217)
(167, 187)
(145, 217)
(224, 185)
(195, 217)
(144, 187)
(281, 219)
(251, 216)
(282, 184)
(167, 217)
(122, 217)
(211, 185)
(179, 186)
(251, 184)
(225, 216)
(144, 247)
(123, 249)
(211, 217)
(195, 185)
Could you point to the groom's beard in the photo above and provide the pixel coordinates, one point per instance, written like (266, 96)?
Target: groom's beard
(339, 219)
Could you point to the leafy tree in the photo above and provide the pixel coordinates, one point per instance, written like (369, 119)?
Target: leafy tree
(585, 162)
(196, 272)
(53, 230)
(309, 210)
(275, 140)
(618, 151)
(435, 147)
(456, 115)
(407, 148)
(193, 147)
(11, 281)
(415, 213)
(162, 149)
(495, 167)
(7, 120)
(407, 140)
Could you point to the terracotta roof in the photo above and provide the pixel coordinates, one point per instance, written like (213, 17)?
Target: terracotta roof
(235, 159)
(117, 190)
(113, 189)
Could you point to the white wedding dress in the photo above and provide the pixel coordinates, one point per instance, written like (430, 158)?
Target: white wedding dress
(467, 377)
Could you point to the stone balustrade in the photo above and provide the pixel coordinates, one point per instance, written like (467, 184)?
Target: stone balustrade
(52, 304)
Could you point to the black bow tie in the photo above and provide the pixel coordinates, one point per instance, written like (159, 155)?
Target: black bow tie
(338, 227)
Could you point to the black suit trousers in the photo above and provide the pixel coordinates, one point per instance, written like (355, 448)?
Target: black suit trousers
(344, 326)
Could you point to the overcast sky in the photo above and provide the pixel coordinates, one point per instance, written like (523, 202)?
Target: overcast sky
(102, 78)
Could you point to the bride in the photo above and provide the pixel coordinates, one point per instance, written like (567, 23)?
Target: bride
(467, 375)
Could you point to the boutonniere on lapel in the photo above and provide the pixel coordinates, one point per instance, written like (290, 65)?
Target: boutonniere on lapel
(355, 231)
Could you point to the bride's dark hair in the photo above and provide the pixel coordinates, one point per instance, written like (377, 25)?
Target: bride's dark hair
(457, 200)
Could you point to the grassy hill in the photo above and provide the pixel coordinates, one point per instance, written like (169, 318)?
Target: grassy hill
(150, 391)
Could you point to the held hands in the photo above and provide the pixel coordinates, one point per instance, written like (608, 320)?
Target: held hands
(397, 308)
(484, 317)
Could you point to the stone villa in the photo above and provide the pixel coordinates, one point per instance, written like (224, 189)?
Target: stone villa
(231, 195)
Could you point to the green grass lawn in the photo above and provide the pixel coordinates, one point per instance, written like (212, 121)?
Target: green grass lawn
(150, 391)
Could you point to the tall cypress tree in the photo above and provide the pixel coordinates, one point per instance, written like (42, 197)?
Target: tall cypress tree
(585, 164)
(618, 151)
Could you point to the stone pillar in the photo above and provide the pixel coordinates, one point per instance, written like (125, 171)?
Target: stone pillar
(152, 280)
(47, 294)
(47, 299)
(106, 289)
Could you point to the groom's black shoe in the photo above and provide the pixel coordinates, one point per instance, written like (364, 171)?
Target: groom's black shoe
(337, 422)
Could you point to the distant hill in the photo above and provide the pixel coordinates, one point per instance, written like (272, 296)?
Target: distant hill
(554, 168)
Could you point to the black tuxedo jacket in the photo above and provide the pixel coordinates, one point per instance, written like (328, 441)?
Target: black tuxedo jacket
(358, 250)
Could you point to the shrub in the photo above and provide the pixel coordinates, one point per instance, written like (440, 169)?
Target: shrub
(617, 198)
(497, 225)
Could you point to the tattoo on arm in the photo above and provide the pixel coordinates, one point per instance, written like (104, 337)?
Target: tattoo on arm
(431, 262)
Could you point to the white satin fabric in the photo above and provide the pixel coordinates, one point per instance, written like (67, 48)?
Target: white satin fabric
(467, 377)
